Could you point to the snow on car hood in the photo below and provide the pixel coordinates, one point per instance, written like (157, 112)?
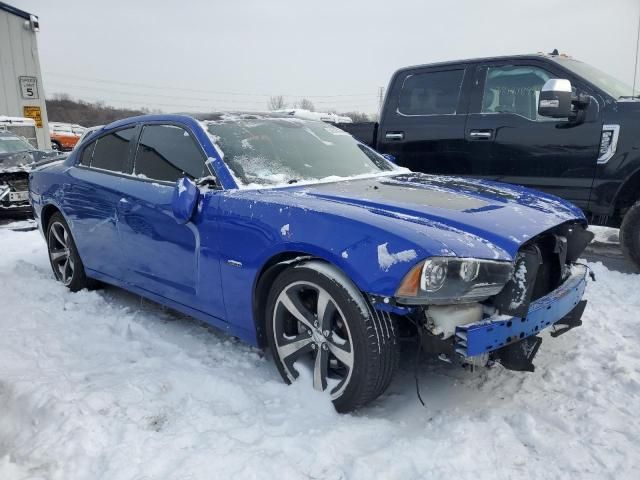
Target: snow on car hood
(499, 215)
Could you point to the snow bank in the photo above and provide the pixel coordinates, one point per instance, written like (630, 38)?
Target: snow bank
(309, 115)
(105, 385)
(605, 234)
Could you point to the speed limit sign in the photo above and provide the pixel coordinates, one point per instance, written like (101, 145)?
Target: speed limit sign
(29, 88)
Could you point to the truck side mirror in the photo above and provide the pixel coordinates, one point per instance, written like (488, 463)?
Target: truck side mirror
(185, 199)
(555, 99)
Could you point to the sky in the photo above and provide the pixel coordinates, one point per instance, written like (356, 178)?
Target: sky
(203, 55)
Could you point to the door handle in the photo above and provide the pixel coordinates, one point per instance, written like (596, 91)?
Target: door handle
(394, 136)
(124, 205)
(481, 134)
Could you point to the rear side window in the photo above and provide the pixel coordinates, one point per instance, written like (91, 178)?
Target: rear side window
(87, 154)
(167, 152)
(111, 151)
(431, 93)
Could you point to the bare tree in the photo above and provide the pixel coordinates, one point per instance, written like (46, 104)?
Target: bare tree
(276, 103)
(306, 104)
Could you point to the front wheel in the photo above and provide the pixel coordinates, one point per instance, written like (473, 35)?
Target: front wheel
(630, 235)
(317, 320)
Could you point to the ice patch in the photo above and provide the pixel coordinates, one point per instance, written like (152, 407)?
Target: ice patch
(181, 186)
(345, 254)
(284, 230)
(520, 276)
(386, 260)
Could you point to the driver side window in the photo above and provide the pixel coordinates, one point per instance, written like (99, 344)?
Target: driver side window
(514, 89)
(166, 153)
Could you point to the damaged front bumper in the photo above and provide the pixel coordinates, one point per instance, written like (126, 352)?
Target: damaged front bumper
(14, 195)
(562, 309)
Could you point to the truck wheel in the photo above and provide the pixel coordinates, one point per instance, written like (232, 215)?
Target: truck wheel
(630, 235)
(319, 321)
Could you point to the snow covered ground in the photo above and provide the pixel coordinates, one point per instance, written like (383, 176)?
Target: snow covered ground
(605, 234)
(104, 385)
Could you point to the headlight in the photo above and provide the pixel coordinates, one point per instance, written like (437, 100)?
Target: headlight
(445, 280)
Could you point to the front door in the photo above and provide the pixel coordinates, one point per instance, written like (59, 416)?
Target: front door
(508, 141)
(164, 256)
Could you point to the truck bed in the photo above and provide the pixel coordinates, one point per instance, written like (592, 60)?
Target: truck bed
(364, 131)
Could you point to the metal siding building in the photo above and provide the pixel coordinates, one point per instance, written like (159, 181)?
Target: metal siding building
(20, 76)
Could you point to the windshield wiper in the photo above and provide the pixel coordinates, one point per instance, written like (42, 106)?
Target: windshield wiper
(293, 180)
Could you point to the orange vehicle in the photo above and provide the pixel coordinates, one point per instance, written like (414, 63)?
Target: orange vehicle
(62, 136)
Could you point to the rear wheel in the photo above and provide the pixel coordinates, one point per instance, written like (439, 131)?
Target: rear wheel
(319, 321)
(56, 146)
(63, 254)
(630, 235)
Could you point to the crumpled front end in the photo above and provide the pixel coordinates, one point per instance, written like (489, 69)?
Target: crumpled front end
(544, 292)
(14, 193)
(509, 338)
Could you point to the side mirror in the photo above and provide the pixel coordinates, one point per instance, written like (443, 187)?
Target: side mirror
(555, 99)
(185, 199)
(389, 157)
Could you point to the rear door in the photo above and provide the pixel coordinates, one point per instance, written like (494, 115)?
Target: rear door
(508, 141)
(423, 122)
(163, 256)
(90, 202)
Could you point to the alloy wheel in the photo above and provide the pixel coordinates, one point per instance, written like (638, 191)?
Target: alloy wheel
(309, 327)
(60, 253)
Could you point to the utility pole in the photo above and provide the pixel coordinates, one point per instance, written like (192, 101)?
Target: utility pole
(381, 97)
(635, 69)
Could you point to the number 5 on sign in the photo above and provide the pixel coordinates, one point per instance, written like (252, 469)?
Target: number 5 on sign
(29, 88)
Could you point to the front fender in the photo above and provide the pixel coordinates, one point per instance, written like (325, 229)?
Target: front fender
(370, 251)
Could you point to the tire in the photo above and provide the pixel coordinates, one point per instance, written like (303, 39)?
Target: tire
(63, 255)
(56, 146)
(351, 350)
(630, 235)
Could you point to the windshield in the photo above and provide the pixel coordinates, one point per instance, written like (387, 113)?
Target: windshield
(600, 79)
(275, 151)
(11, 144)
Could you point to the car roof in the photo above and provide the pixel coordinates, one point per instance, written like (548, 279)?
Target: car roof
(199, 117)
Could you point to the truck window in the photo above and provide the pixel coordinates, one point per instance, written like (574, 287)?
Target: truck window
(431, 93)
(514, 89)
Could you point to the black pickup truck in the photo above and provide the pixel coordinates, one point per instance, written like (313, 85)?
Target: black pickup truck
(545, 121)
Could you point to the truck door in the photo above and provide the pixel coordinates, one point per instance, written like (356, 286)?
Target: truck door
(422, 123)
(508, 141)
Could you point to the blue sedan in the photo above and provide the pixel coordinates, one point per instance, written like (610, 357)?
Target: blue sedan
(292, 235)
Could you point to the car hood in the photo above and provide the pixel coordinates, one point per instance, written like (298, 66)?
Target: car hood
(27, 160)
(499, 216)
